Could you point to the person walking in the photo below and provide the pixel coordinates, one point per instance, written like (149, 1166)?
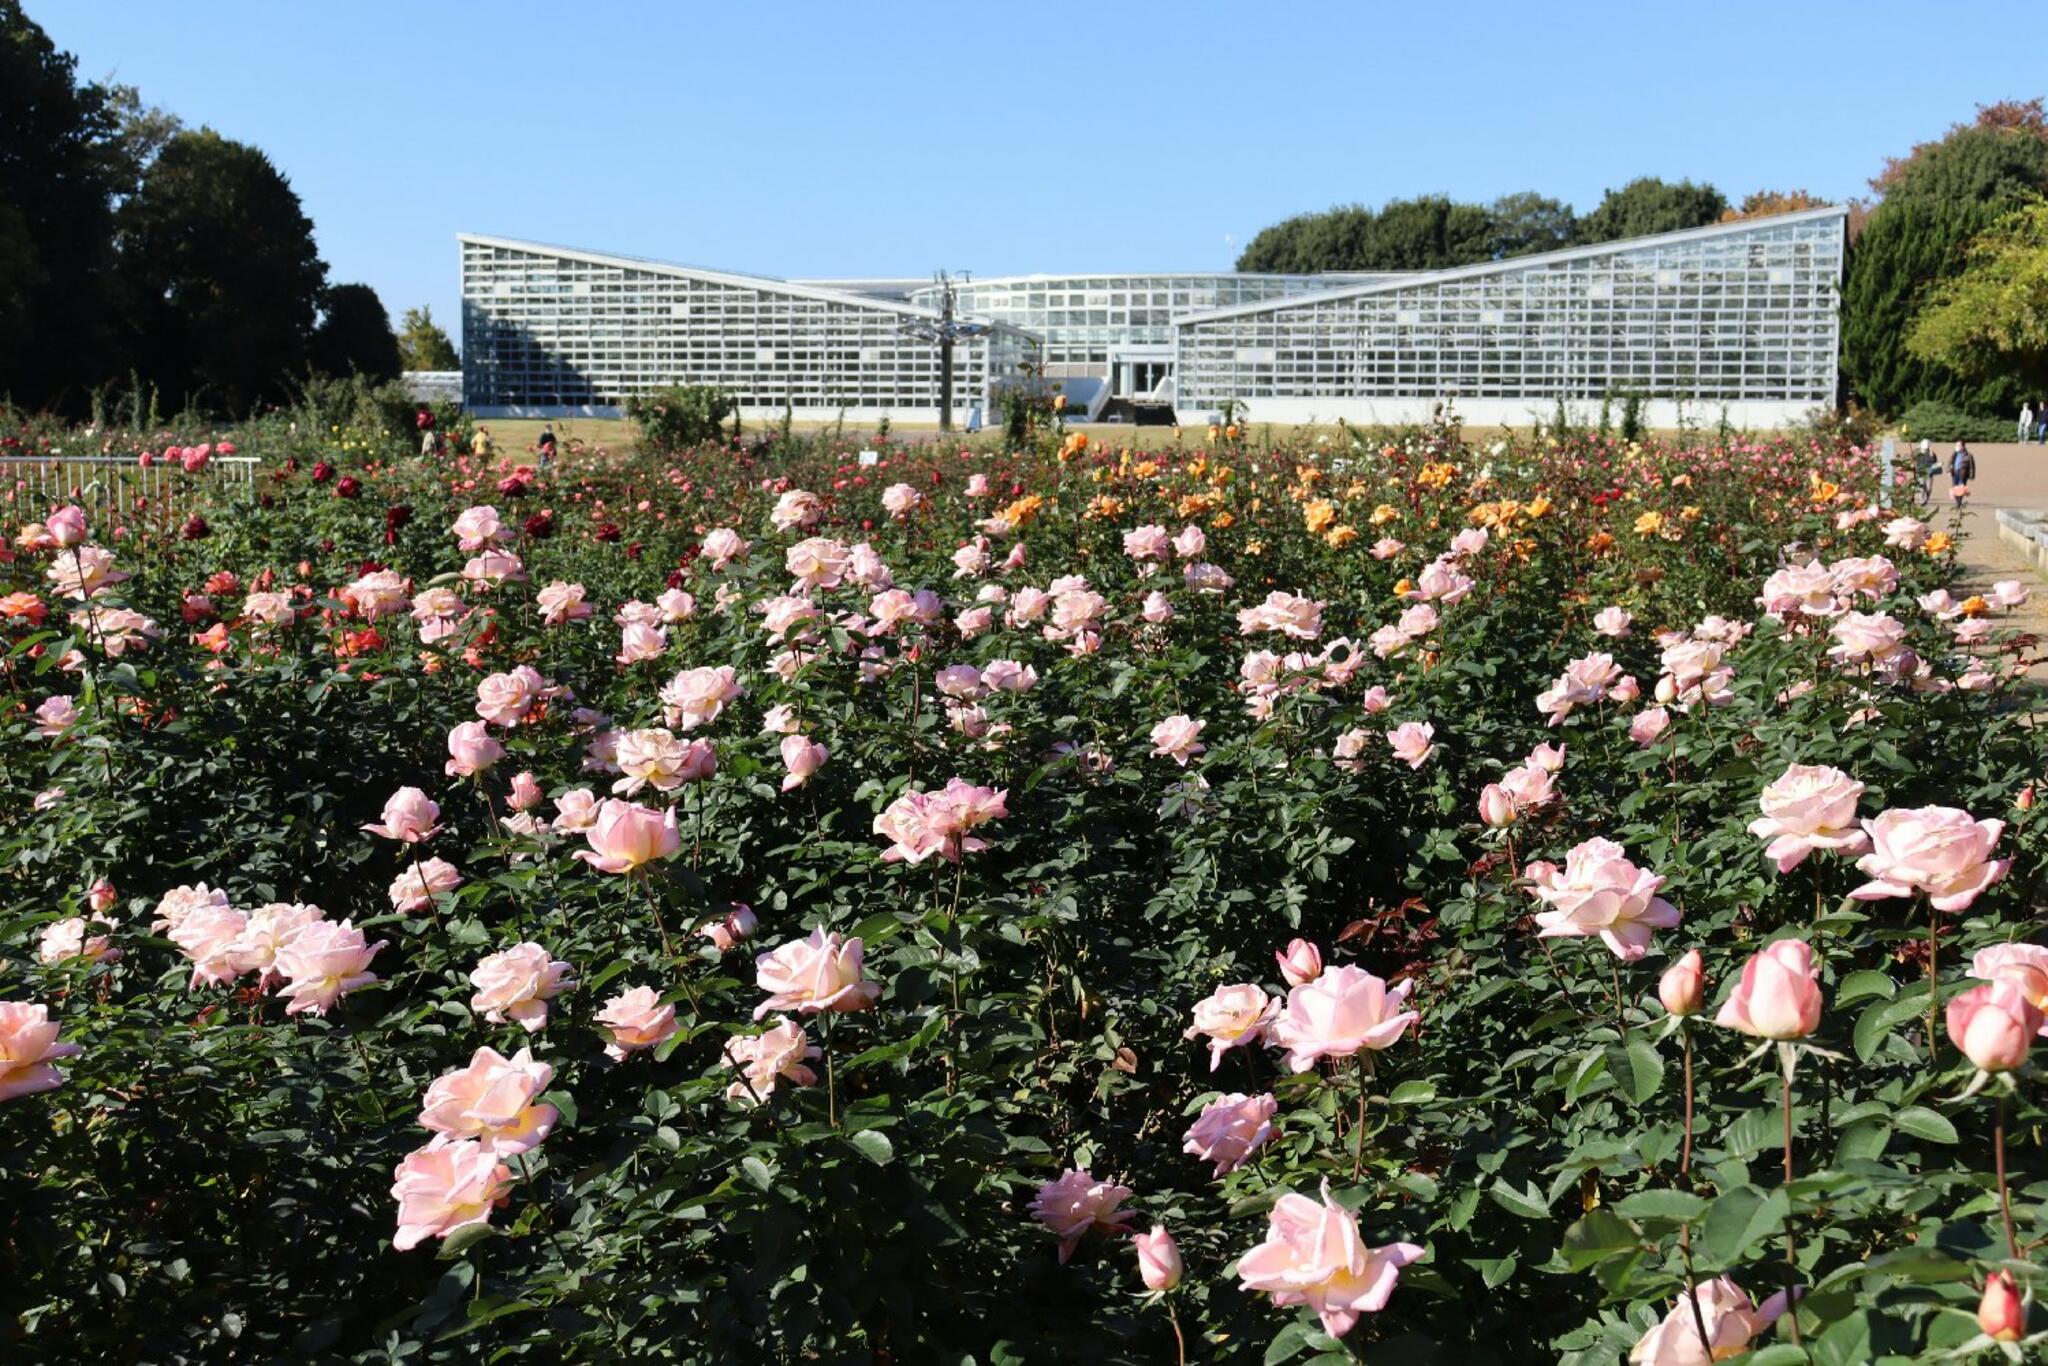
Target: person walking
(1925, 467)
(480, 444)
(2026, 423)
(546, 446)
(1962, 472)
(2041, 420)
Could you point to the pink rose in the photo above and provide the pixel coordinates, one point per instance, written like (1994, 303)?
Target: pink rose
(1177, 738)
(492, 1100)
(1159, 1262)
(270, 928)
(416, 887)
(1339, 1013)
(323, 962)
(695, 697)
(72, 937)
(1296, 617)
(1410, 742)
(1731, 1323)
(2024, 965)
(2002, 1313)
(802, 757)
(28, 1050)
(626, 837)
(636, 1019)
(1809, 807)
(821, 973)
(446, 1186)
(67, 525)
(1007, 675)
(476, 528)
(1230, 1129)
(517, 984)
(767, 1059)
(1933, 849)
(722, 546)
(1147, 543)
(205, 937)
(900, 500)
(526, 793)
(1315, 1255)
(735, 927)
(1778, 996)
(101, 896)
(1300, 962)
(1077, 1202)
(1993, 1025)
(1683, 987)
(1612, 621)
(561, 603)
(1599, 892)
(471, 750)
(639, 641)
(576, 811)
(1231, 1017)
(1649, 724)
(1191, 543)
(410, 817)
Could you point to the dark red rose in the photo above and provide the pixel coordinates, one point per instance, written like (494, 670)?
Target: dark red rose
(322, 472)
(607, 532)
(540, 526)
(633, 551)
(348, 488)
(195, 528)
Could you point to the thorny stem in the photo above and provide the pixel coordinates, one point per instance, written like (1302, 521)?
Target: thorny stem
(1620, 1009)
(831, 1092)
(1180, 1343)
(668, 947)
(2012, 1246)
(1933, 982)
(1692, 1286)
(1358, 1133)
(1791, 1232)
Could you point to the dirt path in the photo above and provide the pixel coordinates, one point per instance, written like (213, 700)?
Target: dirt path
(2008, 476)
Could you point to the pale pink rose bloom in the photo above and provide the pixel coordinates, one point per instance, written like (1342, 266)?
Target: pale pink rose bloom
(416, 887)
(696, 697)
(1439, 582)
(634, 612)
(70, 938)
(787, 616)
(1599, 892)
(2024, 965)
(561, 603)
(525, 794)
(204, 937)
(478, 527)
(471, 750)
(1732, 1322)
(1548, 757)
(1625, 689)
(1300, 962)
(1159, 1261)
(1646, 726)
(1178, 738)
(86, 572)
(270, 927)
(1156, 608)
(1077, 1202)
(180, 902)
(625, 837)
(1778, 996)
(1809, 807)
(56, 715)
(67, 526)
(268, 610)
(1612, 621)
(517, 984)
(101, 896)
(1234, 1016)
(971, 561)
(410, 817)
(650, 758)
(1993, 1025)
(322, 962)
(1204, 577)
(1314, 1255)
(821, 973)
(575, 811)
(974, 621)
(676, 605)
(433, 604)
(1027, 606)
(1871, 576)
(1418, 621)
(767, 1059)
(1866, 637)
(1933, 849)
(735, 927)
(492, 1100)
(796, 508)
(1470, 541)
(494, 567)
(1693, 672)
(636, 1019)
(445, 1186)
(816, 562)
(1147, 543)
(46, 799)
(1800, 590)
(1349, 748)
(2008, 593)
(977, 486)
(1375, 700)
(921, 825)
(1337, 1014)
(1190, 543)
(1386, 548)
(1074, 611)
(722, 546)
(1906, 533)
(900, 500)
(779, 719)
(1683, 986)
(1410, 742)
(639, 641)
(29, 1049)
(1230, 1129)
(802, 757)
(1007, 675)
(1296, 617)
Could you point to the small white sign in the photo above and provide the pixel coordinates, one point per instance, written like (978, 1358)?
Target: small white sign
(870, 457)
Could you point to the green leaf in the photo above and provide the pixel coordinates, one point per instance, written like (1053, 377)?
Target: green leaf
(1779, 1354)
(1527, 1202)
(1876, 1023)
(1413, 1093)
(758, 1173)
(1922, 1122)
(1858, 985)
(1598, 1236)
(1741, 1219)
(1680, 1206)
(1639, 1067)
(874, 1145)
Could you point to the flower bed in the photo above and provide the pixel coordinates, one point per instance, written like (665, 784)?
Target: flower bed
(1241, 902)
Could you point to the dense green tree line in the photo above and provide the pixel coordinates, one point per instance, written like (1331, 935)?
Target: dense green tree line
(141, 256)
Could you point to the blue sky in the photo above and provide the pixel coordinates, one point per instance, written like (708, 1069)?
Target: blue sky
(892, 139)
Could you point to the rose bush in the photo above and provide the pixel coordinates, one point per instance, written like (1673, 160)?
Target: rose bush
(745, 905)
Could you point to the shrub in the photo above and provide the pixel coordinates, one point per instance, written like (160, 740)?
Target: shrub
(1938, 421)
(679, 417)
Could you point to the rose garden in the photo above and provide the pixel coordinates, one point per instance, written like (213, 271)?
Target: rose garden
(1361, 897)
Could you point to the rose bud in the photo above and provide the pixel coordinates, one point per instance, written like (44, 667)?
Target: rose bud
(1993, 1024)
(2001, 1314)
(1159, 1261)
(1300, 963)
(1683, 987)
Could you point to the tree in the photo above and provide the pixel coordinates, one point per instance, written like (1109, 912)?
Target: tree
(1526, 222)
(57, 187)
(140, 132)
(1427, 233)
(2025, 117)
(1945, 195)
(1991, 319)
(422, 345)
(354, 336)
(1647, 205)
(1764, 203)
(220, 272)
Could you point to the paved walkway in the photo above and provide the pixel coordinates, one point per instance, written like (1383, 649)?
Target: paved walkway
(2008, 476)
